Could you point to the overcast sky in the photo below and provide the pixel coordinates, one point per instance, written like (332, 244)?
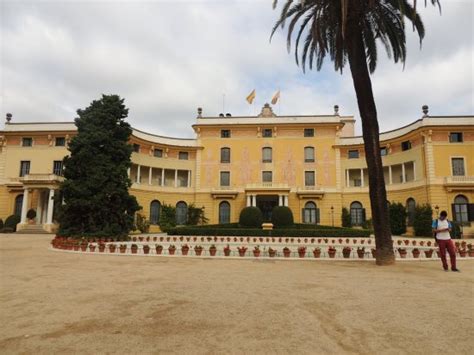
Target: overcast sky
(166, 58)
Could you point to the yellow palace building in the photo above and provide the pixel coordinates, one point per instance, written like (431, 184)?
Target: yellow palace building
(315, 165)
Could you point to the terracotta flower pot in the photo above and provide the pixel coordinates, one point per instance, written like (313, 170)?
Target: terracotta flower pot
(76, 247)
(146, 249)
(123, 249)
(416, 253)
(226, 251)
(159, 250)
(301, 254)
(256, 253)
(360, 254)
(428, 253)
(242, 252)
(332, 254)
(92, 248)
(112, 248)
(171, 251)
(403, 254)
(101, 248)
(83, 247)
(272, 253)
(470, 253)
(213, 251)
(134, 250)
(317, 253)
(346, 254)
(198, 251)
(462, 253)
(184, 251)
(286, 253)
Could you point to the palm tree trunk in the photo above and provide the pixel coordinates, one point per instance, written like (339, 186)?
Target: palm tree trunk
(370, 130)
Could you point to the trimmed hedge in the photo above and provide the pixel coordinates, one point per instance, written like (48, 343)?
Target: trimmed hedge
(251, 217)
(422, 219)
(284, 232)
(398, 218)
(12, 221)
(282, 216)
(1, 224)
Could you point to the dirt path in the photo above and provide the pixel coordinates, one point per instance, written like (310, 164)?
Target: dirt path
(53, 302)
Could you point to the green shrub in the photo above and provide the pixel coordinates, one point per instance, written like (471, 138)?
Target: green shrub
(142, 224)
(167, 217)
(285, 232)
(1, 224)
(196, 215)
(346, 218)
(251, 217)
(31, 214)
(398, 218)
(7, 230)
(455, 230)
(12, 221)
(282, 216)
(422, 220)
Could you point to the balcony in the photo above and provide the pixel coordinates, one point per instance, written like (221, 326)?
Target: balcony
(310, 192)
(41, 179)
(267, 186)
(459, 183)
(224, 192)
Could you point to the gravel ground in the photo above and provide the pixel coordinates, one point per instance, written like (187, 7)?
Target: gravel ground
(54, 302)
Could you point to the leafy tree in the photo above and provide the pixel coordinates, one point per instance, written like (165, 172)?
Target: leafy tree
(95, 189)
(346, 218)
(196, 215)
(167, 217)
(142, 224)
(422, 220)
(347, 31)
(398, 218)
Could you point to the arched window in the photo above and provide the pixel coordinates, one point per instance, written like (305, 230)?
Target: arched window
(155, 209)
(411, 204)
(461, 209)
(18, 204)
(181, 213)
(310, 213)
(357, 214)
(224, 212)
(267, 155)
(309, 154)
(225, 155)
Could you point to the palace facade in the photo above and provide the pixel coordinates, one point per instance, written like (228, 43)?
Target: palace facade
(315, 165)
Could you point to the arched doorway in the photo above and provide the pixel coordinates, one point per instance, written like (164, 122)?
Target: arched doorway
(18, 205)
(310, 213)
(224, 212)
(155, 209)
(461, 209)
(181, 213)
(410, 206)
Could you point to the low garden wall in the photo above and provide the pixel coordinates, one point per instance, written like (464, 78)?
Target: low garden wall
(258, 247)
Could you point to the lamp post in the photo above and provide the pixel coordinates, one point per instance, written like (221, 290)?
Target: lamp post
(332, 215)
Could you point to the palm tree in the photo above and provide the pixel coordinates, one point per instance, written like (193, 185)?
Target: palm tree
(347, 31)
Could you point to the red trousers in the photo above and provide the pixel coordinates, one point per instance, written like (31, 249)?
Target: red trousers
(447, 244)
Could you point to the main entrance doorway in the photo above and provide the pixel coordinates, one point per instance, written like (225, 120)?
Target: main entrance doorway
(266, 203)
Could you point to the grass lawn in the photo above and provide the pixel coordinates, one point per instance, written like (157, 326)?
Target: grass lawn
(54, 302)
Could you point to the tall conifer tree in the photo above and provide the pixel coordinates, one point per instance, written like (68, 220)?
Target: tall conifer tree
(95, 193)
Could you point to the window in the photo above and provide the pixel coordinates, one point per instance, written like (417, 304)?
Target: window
(357, 214)
(27, 142)
(455, 137)
(267, 132)
(183, 155)
(155, 209)
(181, 213)
(225, 155)
(353, 154)
(457, 165)
(18, 205)
(309, 132)
(410, 211)
(460, 209)
(224, 212)
(309, 178)
(267, 155)
(158, 153)
(310, 213)
(267, 176)
(357, 182)
(309, 155)
(383, 151)
(225, 178)
(225, 133)
(24, 167)
(406, 145)
(136, 148)
(58, 167)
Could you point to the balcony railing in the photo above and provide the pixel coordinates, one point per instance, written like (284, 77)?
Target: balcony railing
(267, 185)
(459, 180)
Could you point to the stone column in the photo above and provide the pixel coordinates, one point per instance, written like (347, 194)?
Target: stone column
(162, 176)
(39, 209)
(362, 182)
(150, 173)
(249, 200)
(128, 172)
(280, 200)
(138, 174)
(285, 200)
(347, 178)
(24, 205)
(176, 178)
(403, 173)
(189, 178)
(50, 207)
(390, 175)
